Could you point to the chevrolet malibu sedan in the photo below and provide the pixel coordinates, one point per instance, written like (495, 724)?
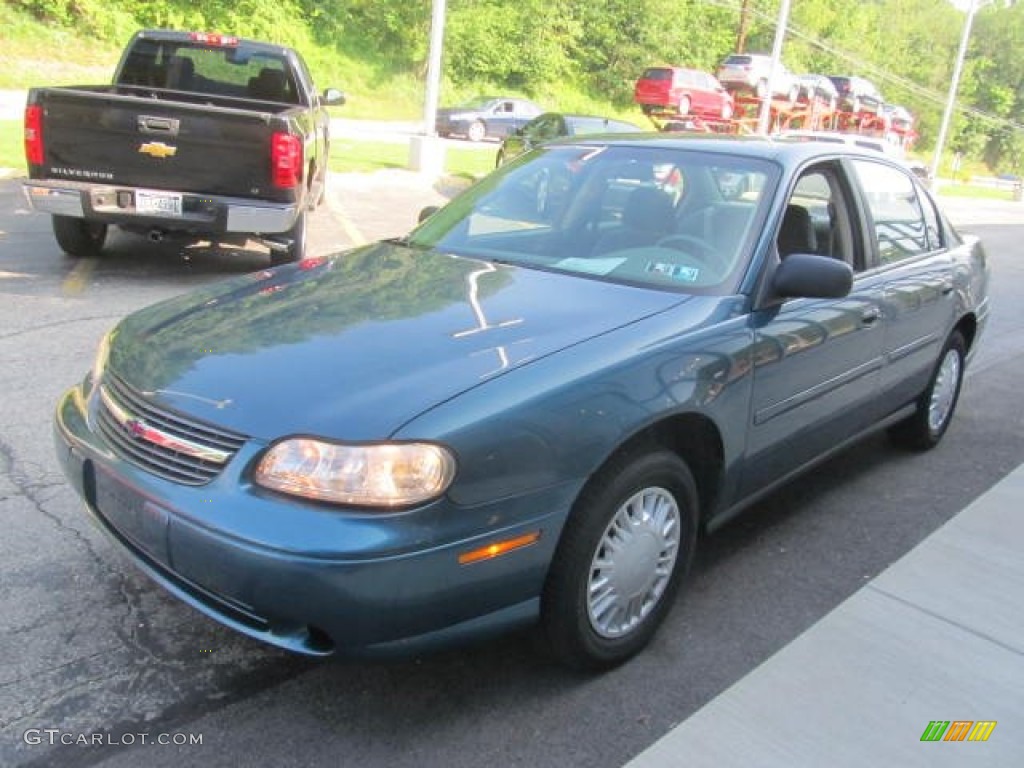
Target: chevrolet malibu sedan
(523, 413)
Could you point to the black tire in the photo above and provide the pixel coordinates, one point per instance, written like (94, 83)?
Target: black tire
(612, 519)
(79, 238)
(936, 405)
(477, 131)
(296, 239)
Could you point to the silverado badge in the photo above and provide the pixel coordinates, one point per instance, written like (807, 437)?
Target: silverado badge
(157, 149)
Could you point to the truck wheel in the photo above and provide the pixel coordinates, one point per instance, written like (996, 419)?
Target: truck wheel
(477, 131)
(296, 250)
(78, 237)
(623, 553)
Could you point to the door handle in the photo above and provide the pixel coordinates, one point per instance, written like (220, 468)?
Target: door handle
(167, 126)
(870, 316)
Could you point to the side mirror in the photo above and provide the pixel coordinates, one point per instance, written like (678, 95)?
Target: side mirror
(811, 276)
(427, 212)
(333, 97)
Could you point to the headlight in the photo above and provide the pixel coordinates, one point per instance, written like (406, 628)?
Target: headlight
(383, 475)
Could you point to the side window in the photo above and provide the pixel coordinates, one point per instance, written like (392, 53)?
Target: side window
(901, 231)
(931, 223)
(817, 218)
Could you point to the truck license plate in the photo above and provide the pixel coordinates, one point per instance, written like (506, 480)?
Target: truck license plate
(158, 203)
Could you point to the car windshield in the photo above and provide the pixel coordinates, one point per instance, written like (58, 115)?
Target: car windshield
(671, 218)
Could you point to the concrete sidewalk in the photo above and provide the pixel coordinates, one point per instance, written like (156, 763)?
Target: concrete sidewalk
(938, 636)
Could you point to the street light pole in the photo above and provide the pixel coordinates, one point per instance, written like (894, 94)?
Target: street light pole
(780, 34)
(426, 150)
(434, 67)
(954, 84)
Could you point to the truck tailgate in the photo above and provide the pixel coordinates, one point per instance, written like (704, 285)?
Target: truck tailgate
(157, 144)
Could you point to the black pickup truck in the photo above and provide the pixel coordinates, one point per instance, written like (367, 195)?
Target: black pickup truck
(200, 136)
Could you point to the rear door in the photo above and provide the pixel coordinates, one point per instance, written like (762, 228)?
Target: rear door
(916, 265)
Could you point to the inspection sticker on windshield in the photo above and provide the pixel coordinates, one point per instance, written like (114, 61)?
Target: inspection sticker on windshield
(675, 271)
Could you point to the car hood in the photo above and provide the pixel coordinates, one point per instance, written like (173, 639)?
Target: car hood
(357, 344)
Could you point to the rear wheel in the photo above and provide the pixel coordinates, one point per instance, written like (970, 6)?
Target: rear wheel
(78, 237)
(296, 243)
(623, 554)
(936, 404)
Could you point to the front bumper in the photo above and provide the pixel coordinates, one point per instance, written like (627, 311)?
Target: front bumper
(312, 578)
(200, 214)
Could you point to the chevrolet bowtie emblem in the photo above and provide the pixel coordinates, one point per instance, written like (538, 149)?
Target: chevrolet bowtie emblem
(157, 149)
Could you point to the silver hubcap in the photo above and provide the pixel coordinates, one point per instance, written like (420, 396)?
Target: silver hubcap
(944, 390)
(633, 562)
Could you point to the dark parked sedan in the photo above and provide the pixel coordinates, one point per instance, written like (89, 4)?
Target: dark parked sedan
(485, 118)
(523, 412)
(551, 126)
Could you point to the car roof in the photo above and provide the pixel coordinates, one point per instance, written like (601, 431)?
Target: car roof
(776, 148)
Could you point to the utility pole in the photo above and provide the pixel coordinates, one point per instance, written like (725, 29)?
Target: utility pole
(953, 85)
(741, 35)
(780, 34)
(426, 150)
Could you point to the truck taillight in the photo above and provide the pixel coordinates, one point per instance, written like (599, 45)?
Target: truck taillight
(34, 134)
(285, 160)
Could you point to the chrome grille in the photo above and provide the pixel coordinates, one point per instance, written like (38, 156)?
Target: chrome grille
(163, 442)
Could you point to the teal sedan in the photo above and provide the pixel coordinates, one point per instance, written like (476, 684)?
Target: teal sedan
(523, 413)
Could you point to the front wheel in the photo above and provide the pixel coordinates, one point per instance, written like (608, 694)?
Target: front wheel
(623, 554)
(477, 131)
(936, 404)
(78, 237)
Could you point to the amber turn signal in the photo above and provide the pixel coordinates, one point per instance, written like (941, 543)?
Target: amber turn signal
(498, 548)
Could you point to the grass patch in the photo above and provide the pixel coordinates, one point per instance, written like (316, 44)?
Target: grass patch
(356, 156)
(975, 191)
(12, 146)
